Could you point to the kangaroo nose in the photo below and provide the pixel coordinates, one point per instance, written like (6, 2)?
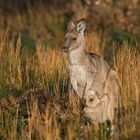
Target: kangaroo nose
(64, 48)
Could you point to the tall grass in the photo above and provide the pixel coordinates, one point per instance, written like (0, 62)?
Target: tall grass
(34, 99)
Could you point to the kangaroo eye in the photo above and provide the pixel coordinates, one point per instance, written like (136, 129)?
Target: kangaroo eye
(74, 38)
(91, 100)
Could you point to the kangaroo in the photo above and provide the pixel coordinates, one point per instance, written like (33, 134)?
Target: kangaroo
(90, 75)
(101, 108)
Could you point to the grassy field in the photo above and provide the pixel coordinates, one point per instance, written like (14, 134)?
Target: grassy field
(34, 100)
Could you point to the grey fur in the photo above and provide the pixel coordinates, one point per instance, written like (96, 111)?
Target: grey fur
(91, 76)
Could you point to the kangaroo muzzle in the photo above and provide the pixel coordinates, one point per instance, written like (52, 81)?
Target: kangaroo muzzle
(64, 48)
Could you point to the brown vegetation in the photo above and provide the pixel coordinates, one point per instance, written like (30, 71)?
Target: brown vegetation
(34, 100)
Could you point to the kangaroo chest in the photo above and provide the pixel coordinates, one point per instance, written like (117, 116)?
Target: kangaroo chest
(80, 75)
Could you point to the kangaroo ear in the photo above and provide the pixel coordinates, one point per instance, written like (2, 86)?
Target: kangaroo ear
(81, 25)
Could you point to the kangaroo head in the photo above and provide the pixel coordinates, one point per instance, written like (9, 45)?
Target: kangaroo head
(74, 37)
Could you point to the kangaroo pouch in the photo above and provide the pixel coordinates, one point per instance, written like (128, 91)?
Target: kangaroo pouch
(80, 76)
(98, 111)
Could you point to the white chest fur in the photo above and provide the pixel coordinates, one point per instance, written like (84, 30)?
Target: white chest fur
(80, 75)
